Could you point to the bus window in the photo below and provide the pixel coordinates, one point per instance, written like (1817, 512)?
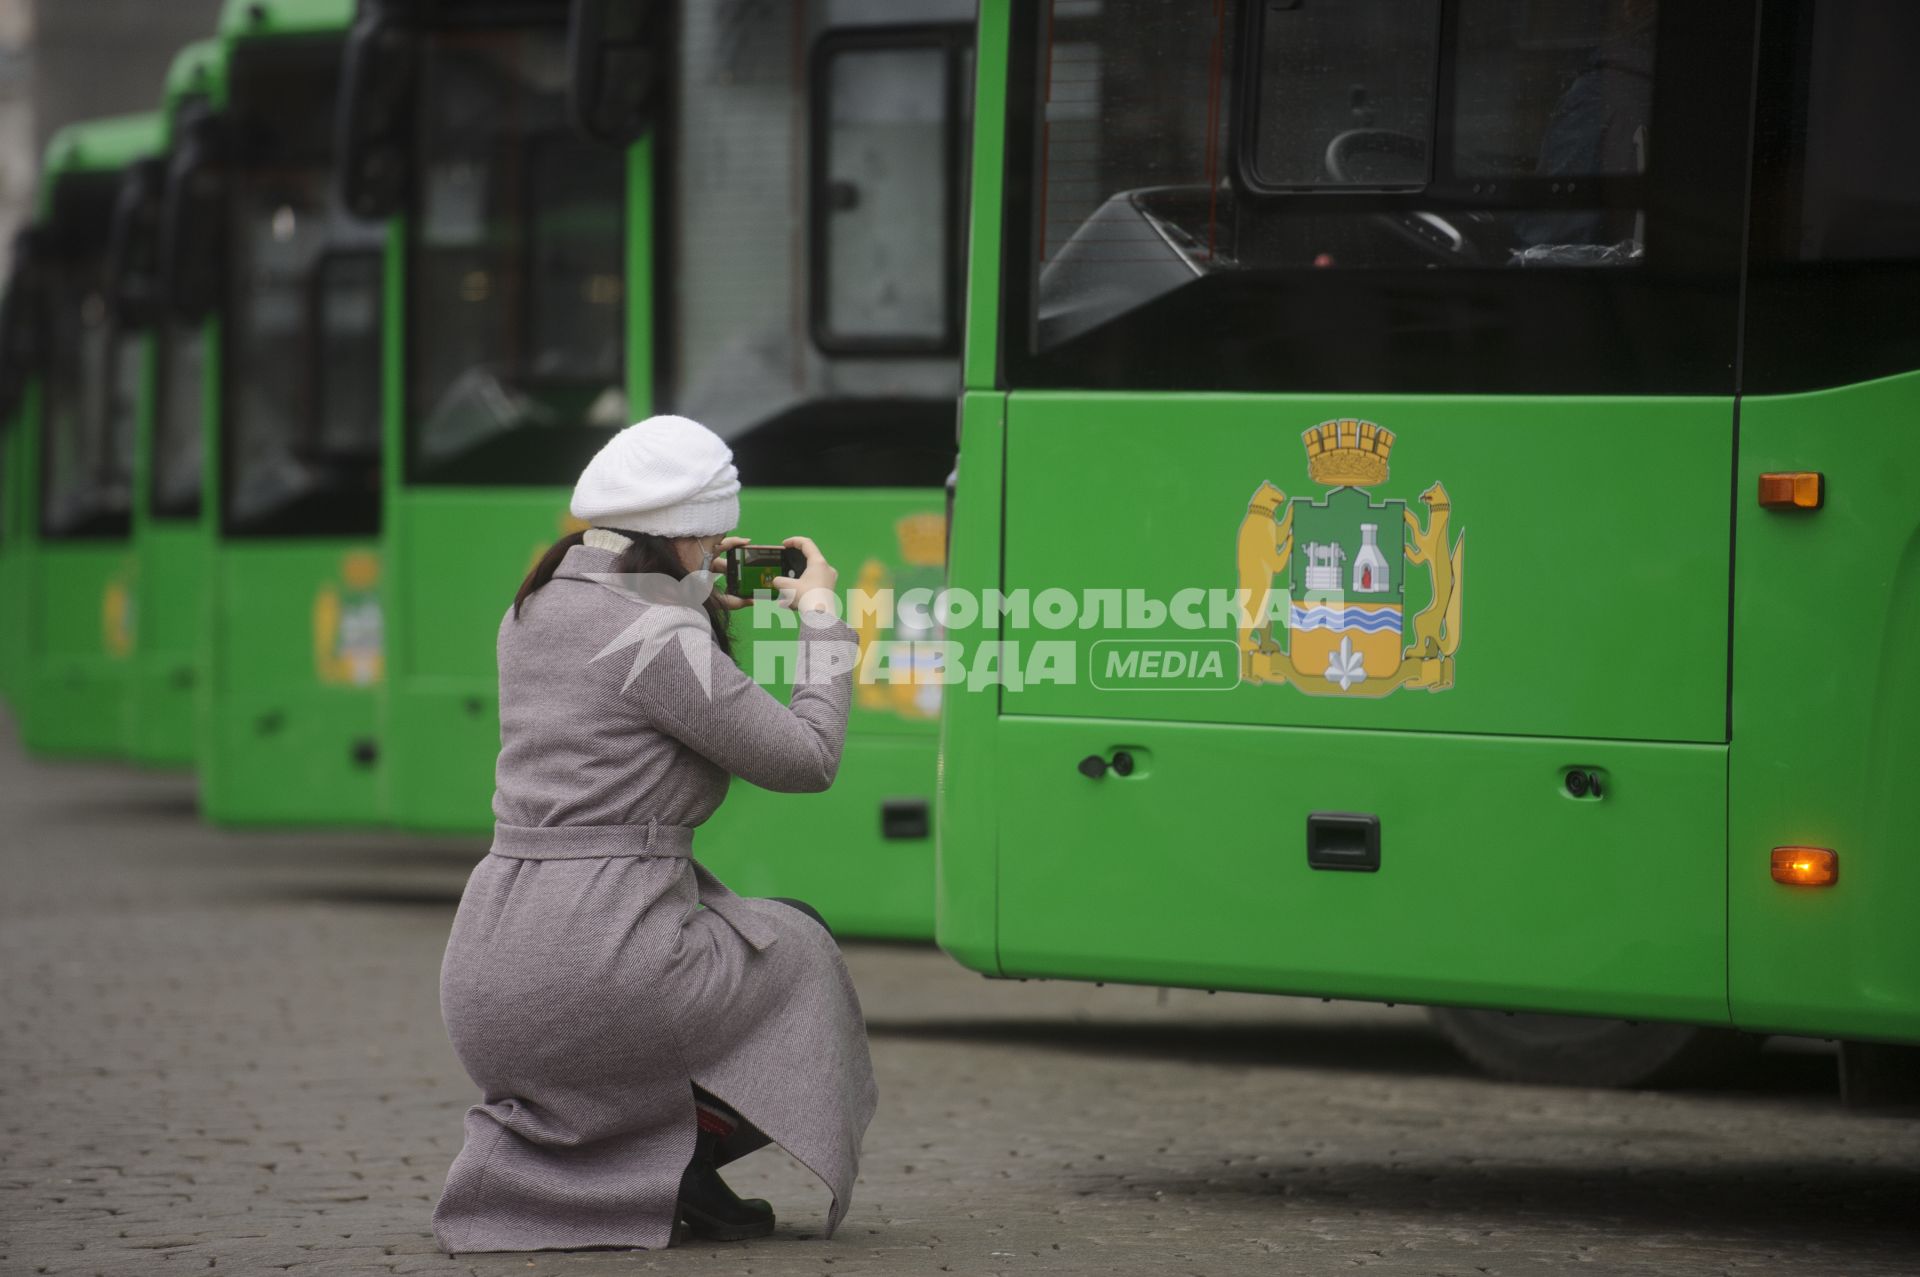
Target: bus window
(843, 381)
(1399, 139)
(884, 173)
(516, 298)
(302, 414)
(178, 418)
(291, 469)
(89, 395)
(1836, 220)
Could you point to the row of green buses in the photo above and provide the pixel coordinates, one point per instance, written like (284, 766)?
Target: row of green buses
(308, 360)
(1268, 301)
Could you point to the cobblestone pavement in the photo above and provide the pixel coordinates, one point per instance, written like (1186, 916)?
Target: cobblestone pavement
(222, 1052)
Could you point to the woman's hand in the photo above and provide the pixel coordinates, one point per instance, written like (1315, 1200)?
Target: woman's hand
(718, 566)
(812, 590)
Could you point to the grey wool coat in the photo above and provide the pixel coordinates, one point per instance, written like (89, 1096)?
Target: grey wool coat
(596, 972)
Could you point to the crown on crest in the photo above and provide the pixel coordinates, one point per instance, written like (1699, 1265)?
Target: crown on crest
(1347, 453)
(923, 539)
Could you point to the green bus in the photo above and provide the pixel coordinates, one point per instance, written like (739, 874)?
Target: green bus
(291, 483)
(71, 562)
(171, 550)
(1273, 303)
(769, 242)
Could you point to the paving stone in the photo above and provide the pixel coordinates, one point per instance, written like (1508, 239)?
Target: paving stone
(222, 1053)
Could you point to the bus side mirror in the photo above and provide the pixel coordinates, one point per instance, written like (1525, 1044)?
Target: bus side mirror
(616, 68)
(374, 129)
(133, 266)
(193, 220)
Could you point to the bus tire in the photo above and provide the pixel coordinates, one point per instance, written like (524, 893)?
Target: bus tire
(1566, 1050)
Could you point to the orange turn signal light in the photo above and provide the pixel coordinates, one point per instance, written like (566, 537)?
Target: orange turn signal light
(1792, 490)
(1805, 866)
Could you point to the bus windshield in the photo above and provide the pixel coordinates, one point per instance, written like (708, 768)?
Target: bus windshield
(179, 409)
(1461, 138)
(90, 392)
(516, 297)
(810, 300)
(302, 410)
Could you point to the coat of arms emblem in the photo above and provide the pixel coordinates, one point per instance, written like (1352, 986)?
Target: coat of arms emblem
(1345, 560)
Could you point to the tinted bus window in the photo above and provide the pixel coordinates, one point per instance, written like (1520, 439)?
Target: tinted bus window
(302, 404)
(89, 395)
(516, 289)
(1378, 195)
(1836, 223)
(831, 372)
(178, 418)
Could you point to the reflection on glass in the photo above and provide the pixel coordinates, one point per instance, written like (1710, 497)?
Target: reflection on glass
(303, 426)
(87, 410)
(178, 419)
(887, 196)
(1141, 194)
(742, 354)
(1346, 94)
(517, 270)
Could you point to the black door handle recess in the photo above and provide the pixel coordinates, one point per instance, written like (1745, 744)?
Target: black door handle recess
(1093, 767)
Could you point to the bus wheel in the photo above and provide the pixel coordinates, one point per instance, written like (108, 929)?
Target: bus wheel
(1579, 1051)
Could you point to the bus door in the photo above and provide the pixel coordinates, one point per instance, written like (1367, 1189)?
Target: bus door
(163, 595)
(298, 642)
(807, 308)
(1411, 324)
(1822, 726)
(515, 356)
(82, 586)
(22, 333)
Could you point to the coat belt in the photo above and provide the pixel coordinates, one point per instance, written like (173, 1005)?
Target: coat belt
(664, 842)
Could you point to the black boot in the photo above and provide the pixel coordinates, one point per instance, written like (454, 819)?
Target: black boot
(711, 1209)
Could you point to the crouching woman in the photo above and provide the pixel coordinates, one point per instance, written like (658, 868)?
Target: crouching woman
(634, 1025)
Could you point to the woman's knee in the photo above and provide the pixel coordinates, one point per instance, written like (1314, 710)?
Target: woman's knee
(803, 907)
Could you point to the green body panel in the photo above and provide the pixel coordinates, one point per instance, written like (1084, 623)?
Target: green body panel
(75, 666)
(81, 639)
(966, 877)
(296, 662)
(13, 557)
(1191, 870)
(171, 562)
(1826, 697)
(828, 849)
(244, 19)
(1573, 622)
(456, 556)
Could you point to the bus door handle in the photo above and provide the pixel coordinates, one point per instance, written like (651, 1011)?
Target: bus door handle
(1094, 767)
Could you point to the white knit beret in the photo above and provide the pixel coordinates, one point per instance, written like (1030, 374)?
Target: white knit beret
(665, 475)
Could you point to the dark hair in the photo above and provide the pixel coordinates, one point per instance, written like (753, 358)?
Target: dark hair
(648, 553)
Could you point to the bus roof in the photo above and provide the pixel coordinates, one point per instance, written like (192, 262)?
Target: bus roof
(102, 145)
(247, 19)
(199, 68)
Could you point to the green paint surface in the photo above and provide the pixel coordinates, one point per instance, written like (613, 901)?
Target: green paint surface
(1826, 697)
(1594, 590)
(286, 741)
